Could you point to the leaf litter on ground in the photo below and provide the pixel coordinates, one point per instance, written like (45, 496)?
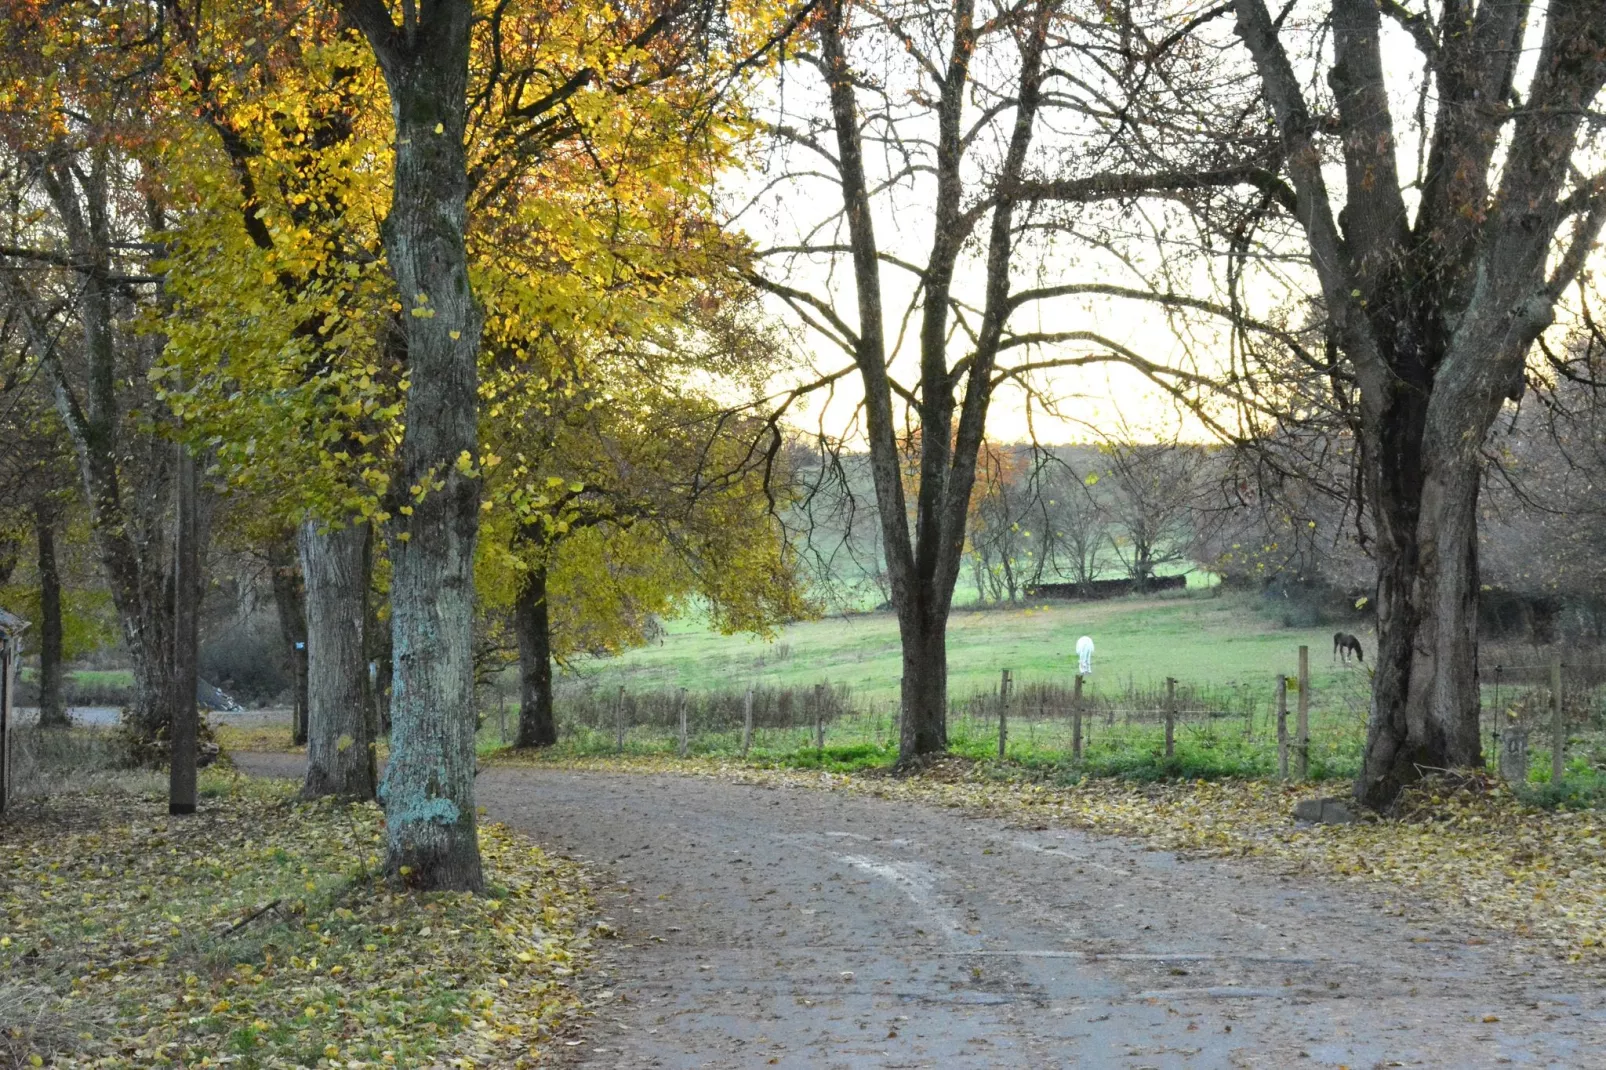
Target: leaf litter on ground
(259, 934)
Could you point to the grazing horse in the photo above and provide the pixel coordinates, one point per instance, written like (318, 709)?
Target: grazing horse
(1345, 644)
(1084, 655)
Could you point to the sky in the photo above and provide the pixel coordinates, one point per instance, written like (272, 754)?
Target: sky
(1105, 399)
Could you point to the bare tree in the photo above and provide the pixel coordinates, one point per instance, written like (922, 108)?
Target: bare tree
(1437, 309)
(1433, 286)
(1078, 526)
(1543, 508)
(927, 113)
(1153, 499)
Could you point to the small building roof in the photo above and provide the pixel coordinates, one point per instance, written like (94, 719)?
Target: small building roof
(10, 624)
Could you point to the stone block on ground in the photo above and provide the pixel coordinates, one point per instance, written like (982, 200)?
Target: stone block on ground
(1330, 811)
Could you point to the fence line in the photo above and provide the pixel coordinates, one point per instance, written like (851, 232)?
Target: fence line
(1047, 716)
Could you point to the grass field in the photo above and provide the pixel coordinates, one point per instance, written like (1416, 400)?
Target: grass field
(1199, 638)
(108, 679)
(1225, 650)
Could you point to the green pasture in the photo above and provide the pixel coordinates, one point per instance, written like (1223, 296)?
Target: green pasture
(1198, 637)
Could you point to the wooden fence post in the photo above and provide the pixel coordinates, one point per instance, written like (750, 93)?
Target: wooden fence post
(1004, 685)
(683, 740)
(1302, 719)
(1282, 726)
(747, 721)
(1076, 719)
(1558, 727)
(819, 717)
(1170, 716)
(619, 720)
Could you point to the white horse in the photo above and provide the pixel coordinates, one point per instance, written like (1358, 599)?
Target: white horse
(1084, 654)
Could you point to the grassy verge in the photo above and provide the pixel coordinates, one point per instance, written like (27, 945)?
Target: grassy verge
(1134, 752)
(254, 735)
(1472, 850)
(257, 934)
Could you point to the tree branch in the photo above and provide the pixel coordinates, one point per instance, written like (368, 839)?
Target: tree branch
(1115, 186)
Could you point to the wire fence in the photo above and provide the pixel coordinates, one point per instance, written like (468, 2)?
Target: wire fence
(1278, 725)
(1035, 719)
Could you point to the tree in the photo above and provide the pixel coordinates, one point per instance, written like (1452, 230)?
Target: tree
(1429, 289)
(52, 703)
(1541, 508)
(1153, 490)
(77, 124)
(1076, 522)
(335, 370)
(999, 536)
(429, 781)
(293, 379)
(341, 761)
(290, 604)
(938, 110)
(425, 61)
(670, 505)
(35, 489)
(1436, 309)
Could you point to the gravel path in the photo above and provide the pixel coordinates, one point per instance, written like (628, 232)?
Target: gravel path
(772, 926)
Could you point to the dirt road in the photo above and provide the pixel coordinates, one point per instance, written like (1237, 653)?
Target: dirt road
(770, 926)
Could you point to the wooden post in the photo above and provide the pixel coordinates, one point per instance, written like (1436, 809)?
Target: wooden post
(1282, 726)
(1302, 718)
(819, 717)
(298, 712)
(1558, 727)
(683, 741)
(747, 721)
(1004, 685)
(501, 714)
(619, 720)
(1170, 716)
(1076, 719)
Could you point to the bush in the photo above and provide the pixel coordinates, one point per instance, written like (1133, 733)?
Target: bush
(248, 662)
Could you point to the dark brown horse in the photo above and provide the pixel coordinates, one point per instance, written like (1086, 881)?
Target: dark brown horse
(1345, 644)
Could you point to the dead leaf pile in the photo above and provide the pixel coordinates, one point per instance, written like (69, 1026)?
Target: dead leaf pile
(258, 934)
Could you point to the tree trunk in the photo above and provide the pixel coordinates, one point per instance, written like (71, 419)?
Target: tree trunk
(185, 728)
(289, 598)
(926, 567)
(1425, 699)
(1437, 315)
(378, 658)
(538, 726)
(340, 750)
(924, 688)
(10, 553)
(428, 791)
(52, 706)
